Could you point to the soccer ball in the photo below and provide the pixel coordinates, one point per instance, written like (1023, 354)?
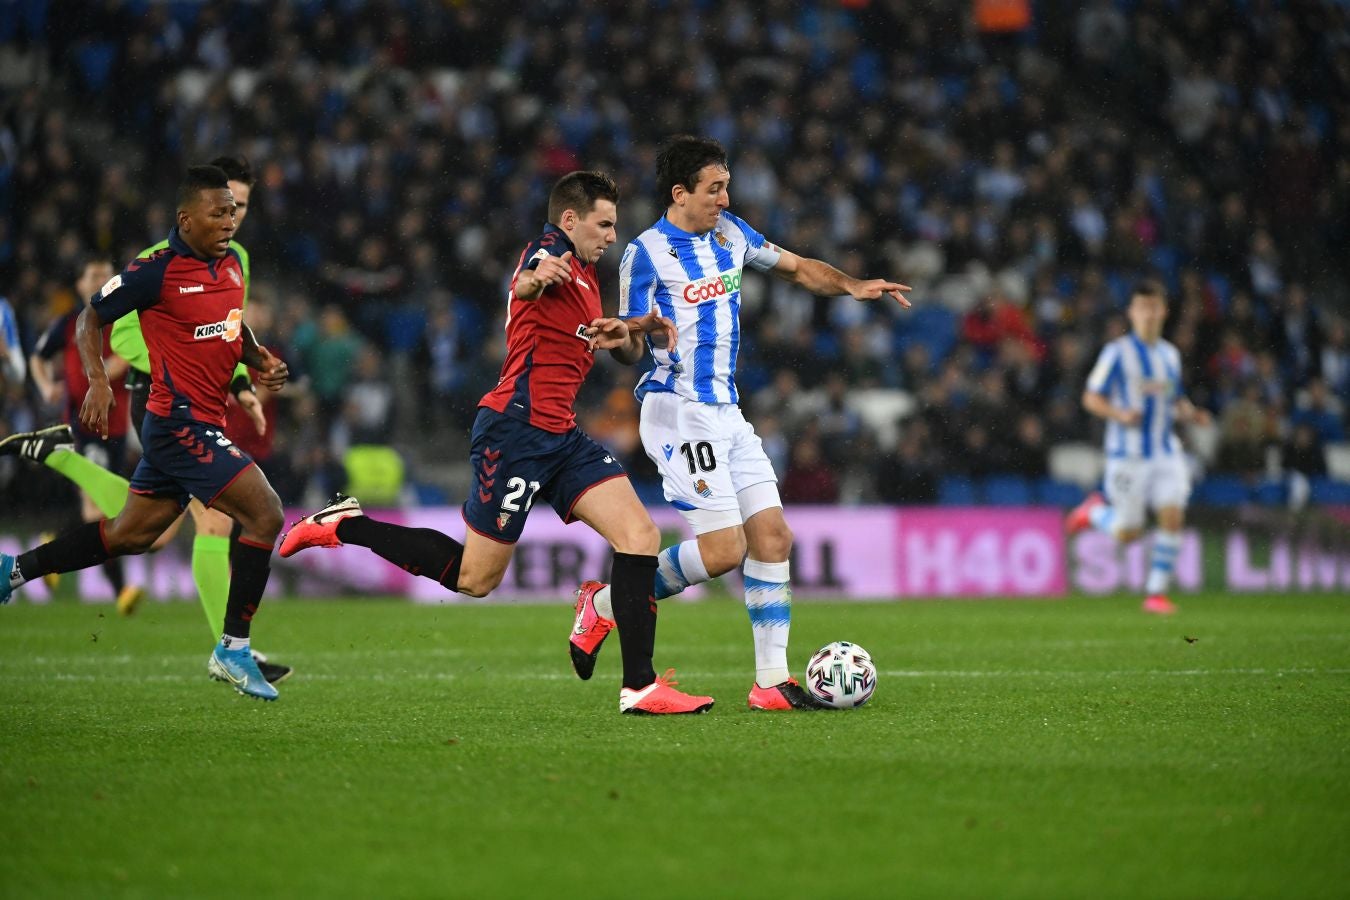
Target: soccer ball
(841, 675)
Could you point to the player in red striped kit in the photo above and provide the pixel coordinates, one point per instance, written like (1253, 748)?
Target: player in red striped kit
(69, 390)
(526, 444)
(190, 296)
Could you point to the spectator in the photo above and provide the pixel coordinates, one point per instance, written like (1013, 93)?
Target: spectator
(1028, 455)
(1244, 433)
(810, 478)
(1322, 412)
(1304, 453)
(391, 180)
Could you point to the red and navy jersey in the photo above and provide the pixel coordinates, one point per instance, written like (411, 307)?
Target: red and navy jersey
(61, 336)
(192, 316)
(547, 352)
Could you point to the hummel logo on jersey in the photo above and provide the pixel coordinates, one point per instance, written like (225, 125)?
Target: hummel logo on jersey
(228, 330)
(190, 289)
(668, 450)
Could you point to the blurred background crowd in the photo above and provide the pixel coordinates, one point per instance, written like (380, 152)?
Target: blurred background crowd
(1019, 164)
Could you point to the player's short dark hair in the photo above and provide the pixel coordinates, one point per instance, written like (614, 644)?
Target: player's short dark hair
(1149, 287)
(578, 192)
(680, 161)
(198, 179)
(236, 168)
(87, 259)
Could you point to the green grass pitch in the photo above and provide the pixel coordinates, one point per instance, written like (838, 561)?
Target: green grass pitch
(1013, 749)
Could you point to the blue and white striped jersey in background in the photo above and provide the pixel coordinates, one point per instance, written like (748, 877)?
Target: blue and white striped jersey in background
(14, 367)
(1135, 375)
(694, 280)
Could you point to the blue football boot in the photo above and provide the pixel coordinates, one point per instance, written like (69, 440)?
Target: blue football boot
(238, 668)
(6, 569)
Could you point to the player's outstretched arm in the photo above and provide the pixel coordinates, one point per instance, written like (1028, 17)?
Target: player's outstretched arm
(98, 400)
(1102, 408)
(1190, 414)
(272, 372)
(825, 280)
(623, 338)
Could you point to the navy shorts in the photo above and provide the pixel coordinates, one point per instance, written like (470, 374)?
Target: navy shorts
(515, 464)
(183, 459)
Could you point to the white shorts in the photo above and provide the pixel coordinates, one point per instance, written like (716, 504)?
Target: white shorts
(1136, 485)
(712, 464)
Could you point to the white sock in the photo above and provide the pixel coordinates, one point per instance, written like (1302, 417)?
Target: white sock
(1166, 546)
(602, 604)
(231, 642)
(768, 599)
(676, 569)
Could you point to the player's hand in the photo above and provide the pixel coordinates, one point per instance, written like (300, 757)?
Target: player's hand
(272, 374)
(554, 269)
(876, 288)
(98, 401)
(1200, 416)
(249, 403)
(658, 327)
(607, 334)
(1129, 417)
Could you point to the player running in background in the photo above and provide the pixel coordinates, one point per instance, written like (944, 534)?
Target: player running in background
(713, 468)
(526, 445)
(216, 539)
(191, 297)
(109, 454)
(12, 367)
(1136, 387)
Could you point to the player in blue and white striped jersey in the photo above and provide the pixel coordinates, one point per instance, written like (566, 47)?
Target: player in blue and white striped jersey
(1136, 387)
(688, 268)
(12, 367)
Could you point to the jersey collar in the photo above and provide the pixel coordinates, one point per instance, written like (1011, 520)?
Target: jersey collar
(670, 229)
(550, 228)
(179, 246)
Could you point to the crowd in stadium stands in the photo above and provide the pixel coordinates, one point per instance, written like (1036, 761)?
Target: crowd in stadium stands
(1020, 181)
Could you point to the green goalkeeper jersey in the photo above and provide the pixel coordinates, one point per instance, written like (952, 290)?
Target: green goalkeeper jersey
(126, 338)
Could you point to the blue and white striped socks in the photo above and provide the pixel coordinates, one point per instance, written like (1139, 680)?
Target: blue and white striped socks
(1166, 546)
(1103, 518)
(677, 568)
(768, 599)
